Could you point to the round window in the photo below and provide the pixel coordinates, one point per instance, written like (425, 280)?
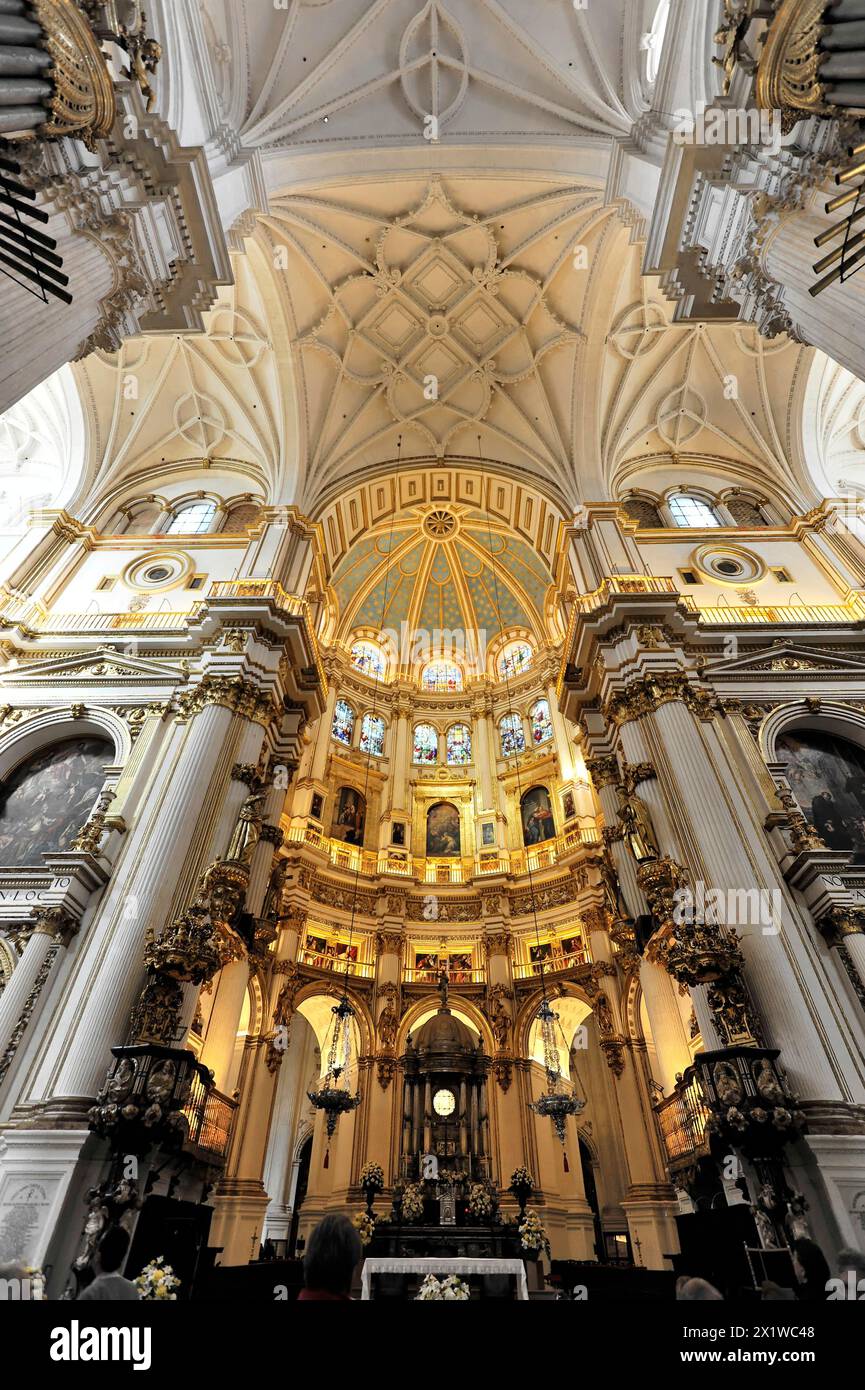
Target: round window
(729, 564)
(157, 574)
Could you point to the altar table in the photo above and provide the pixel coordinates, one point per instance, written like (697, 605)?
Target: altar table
(442, 1266)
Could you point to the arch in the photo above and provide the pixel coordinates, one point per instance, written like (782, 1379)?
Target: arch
(842, 720)
(369, 658)
(443, 833)
(825, 770)
(49, 795)
(442, 677)
(528, 1012)
(642, 508)
(54, 726)
(192, 518)
(512, 735)
(464, 1009)
(516, 656)
(348, 819)
(363, 1019)
(372, 734)
(425, 745)
(458, 745)
(540, 721)
(342, 727)
(692, 508)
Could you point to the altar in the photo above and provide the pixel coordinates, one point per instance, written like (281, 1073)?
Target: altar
(514, 1271)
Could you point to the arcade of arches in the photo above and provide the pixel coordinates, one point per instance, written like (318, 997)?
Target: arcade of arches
(437, 629)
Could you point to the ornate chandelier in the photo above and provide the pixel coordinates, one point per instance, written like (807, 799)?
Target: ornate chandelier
(560, 1098)
(333, 1096)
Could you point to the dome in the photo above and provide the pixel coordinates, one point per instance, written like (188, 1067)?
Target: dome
(445, 1033)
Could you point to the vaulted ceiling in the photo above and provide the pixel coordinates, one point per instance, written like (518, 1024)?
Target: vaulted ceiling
(336, 73)
(437, 569)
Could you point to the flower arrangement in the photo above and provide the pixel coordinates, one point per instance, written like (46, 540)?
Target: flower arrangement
(157, 1281)
(480, 1202)
(412, 1202)
(372, 1176)
(364, 1224)
(533, 1235)
(447, 1290)
(520, 1178)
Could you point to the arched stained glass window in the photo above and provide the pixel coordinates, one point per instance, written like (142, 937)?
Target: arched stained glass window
(691, 511)
(372, 735)
(459, 749)
(512, 735)
(368, 658)
(542, 724)
(426, 744)
(343, 722)
(193, 519)
(516, 658)
(442, 676)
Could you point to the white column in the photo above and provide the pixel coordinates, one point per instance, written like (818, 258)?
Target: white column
(97, 1010)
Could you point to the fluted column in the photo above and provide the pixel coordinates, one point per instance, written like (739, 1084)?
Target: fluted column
(221, 1039)
(665, 1021)
(97, 1009)
(52, 929)
(786, 989)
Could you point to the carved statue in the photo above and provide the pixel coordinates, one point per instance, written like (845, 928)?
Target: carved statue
(248, 829)
(443, 987)
(144, 55)
(738, 15)
(637, 830)
(387, 1025)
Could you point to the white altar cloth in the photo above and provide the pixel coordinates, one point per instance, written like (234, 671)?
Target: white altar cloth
(441, 1265)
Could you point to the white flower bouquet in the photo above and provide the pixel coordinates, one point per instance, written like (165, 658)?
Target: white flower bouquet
(372, 1176)
(533, 1234)
(157, 1281)
(412, 1202)
(447, 1290)
(365, 1226)
(480, 1202)
(521, 1178)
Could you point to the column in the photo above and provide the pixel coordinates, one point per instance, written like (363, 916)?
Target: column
(52, 928)
(220, 1041)
(96, 1013)
(665, 1020)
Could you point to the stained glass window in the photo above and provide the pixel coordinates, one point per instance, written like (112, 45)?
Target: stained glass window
(192, 520)
(691, 511)
(542, 724)
(515, 659)
(512, 735)
(372, 735)
(368, 658)
(442, 676)
(426, 744)
(459, 745)
(343, 722)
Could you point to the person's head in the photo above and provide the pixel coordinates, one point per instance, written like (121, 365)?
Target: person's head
(810, 1263)
(698, 1291)
(332, 1254)
(111, 1250)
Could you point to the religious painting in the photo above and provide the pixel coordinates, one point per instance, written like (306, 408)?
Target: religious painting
(316, 805)
(397, 833)
(488, 833)
(827, 778)
(426, 965)
(537, 816)
(442, 830)
(572, 945)
(48, 798)
(569, 807)
(539, 955)
(345, 952)
(349, 817)
(460, 967)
